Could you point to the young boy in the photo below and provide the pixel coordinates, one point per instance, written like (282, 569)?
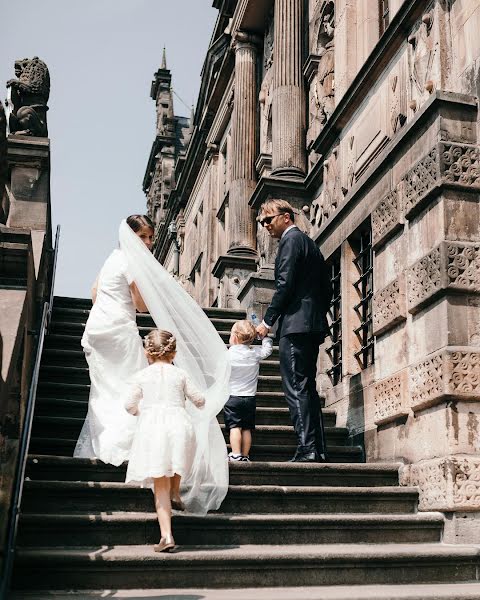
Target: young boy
(239, 411)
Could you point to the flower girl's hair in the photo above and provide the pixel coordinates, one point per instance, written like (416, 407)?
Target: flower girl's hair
(245, 331)
(160, 344)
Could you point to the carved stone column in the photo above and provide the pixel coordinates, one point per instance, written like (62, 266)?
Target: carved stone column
(242, 230)
(288, 102)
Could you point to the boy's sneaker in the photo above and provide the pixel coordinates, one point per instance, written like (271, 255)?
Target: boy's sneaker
(245, 459)
(234, 457)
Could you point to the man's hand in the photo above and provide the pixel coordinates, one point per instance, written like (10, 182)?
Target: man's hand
(262, 331)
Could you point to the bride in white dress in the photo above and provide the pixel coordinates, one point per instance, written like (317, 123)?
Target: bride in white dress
(114, 352)
(132, 278)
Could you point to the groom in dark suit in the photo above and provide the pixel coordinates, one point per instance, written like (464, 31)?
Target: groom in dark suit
(300, 302)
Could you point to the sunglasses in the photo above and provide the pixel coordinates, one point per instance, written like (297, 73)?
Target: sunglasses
(268, 220)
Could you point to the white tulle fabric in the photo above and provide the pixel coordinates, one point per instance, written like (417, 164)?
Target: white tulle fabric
(164, 439)
(200, 353)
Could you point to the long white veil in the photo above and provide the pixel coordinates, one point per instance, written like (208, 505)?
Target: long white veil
(202, 354)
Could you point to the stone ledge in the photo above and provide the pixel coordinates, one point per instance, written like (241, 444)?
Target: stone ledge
(450, 483)
(452, 266)
(452, 373)
(227, 261)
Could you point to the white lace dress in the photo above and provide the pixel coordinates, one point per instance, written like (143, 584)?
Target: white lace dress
(114, 352)
(164, 439)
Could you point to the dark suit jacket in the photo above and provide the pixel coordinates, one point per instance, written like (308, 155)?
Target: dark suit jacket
(303, 288)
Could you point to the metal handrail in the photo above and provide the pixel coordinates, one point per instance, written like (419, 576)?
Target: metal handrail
(54, 271)
(26, 433)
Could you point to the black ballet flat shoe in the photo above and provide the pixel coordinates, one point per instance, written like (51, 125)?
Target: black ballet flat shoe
(177, 505)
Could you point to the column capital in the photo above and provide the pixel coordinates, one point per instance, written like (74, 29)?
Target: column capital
(242, 39)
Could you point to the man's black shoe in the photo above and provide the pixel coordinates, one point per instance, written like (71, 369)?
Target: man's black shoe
(310, 457)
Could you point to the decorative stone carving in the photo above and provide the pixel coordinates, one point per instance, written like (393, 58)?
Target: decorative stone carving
(451, 265)
(452, 373)
(424, 279)
(424, 54)
(390, 399)
(398, 99)
(29, 97)
(331, 186)
(447, 484)
(266, 92)
(386, 218)
(460, 163)
(389, 306)
(322, 88)
(420, 180)
(447, 163)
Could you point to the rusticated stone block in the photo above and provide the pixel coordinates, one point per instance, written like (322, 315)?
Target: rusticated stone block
(386, 218)
(451, 265)
(450, 374)
(447, 484)
(390, 399)
(389, 306)
(446, 163)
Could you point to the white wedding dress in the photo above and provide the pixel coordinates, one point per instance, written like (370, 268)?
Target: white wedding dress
(114, 352)
(164, 440)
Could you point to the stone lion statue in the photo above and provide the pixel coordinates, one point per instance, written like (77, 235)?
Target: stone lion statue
(29, 95)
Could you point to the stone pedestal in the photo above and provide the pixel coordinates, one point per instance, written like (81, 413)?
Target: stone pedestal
(288, 100)
(29, 186)
(243, 174)
(257, 291)
(232, 272)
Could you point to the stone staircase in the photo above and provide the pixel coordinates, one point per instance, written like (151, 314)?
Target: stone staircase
(281, 524)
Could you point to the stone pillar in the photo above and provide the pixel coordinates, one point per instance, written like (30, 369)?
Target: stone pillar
(242, 230)
(288, 101)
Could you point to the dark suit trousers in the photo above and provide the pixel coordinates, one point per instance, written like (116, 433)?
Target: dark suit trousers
(298, 367)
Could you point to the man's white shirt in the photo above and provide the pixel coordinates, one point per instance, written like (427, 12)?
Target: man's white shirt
(244, 361)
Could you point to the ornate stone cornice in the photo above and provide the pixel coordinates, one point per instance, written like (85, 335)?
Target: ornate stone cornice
(229, 261)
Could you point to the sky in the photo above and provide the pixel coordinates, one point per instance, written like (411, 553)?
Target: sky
(102, 55)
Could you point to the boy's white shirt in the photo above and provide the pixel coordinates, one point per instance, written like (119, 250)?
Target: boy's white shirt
(244, 361)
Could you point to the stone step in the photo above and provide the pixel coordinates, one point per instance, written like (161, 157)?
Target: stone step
(66, 468)
(104, 567)
(55, 496)
(54, 357)
(75, 330)
(67, 386)
(219, 319)
(111, 529)
(48, 426)
(71, 391)
(417, 591)
(63, 302)
(271, 453)
(78, 408)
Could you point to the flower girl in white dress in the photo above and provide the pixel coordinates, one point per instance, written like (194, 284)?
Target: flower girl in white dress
(163, 447)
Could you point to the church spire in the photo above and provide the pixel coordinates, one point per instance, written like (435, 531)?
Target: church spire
(164, 59)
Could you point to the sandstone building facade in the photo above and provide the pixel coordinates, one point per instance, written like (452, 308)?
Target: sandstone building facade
(364, 115)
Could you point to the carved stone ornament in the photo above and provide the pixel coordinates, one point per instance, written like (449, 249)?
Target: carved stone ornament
(447, 163)
(450, 374)
(449, 266)
(390, 399)
(387, 218)
(424, 54)
(29, 97)
(3, 151)
(322, 87)
(447, 484)
(389, 306)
